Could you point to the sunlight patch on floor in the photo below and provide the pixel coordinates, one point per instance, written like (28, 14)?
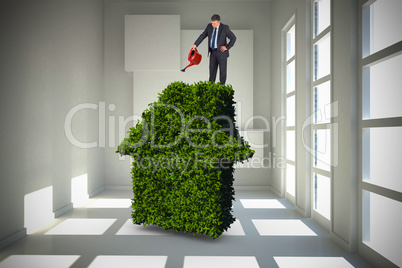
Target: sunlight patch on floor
(220, 262)
(261, 203)
(81, 227)
(39, 261)
(129, 261)
(282, 228)
(312, 262)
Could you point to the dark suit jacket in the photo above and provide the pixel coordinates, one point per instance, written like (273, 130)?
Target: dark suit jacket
(223, 32)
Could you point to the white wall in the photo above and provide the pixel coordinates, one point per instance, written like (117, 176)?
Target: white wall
(61, 54)
(51, 60)
(193, 16)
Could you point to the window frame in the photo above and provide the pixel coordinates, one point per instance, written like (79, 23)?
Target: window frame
(285, 62)
(365, 60)
(315, 39)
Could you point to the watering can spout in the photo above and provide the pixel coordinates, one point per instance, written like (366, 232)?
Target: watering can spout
(194, 57)
(191, 64)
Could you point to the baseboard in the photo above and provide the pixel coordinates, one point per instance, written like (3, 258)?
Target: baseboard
(12, 238)
(276, 192)
(300, 211)
(251, 188)
(291, 199)
(113, 187)
(321, 220)
(63, 210)
(96, 192)
(338, 240)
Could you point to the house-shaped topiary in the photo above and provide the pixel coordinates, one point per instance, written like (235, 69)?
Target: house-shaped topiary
(183, 153)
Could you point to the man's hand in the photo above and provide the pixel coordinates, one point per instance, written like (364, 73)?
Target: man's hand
(193, 47)
(223, 48)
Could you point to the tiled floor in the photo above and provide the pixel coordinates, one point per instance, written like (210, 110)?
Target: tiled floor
(267, 233)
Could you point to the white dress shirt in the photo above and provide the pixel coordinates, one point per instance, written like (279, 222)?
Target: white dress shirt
(216, 37)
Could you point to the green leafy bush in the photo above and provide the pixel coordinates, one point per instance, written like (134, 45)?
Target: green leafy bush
(183, 153)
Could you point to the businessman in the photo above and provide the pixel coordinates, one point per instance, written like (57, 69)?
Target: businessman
(217, 46)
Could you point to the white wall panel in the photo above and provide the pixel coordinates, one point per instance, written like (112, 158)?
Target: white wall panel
(152, 42)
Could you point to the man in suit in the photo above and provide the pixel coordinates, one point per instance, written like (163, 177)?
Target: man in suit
(217, 46)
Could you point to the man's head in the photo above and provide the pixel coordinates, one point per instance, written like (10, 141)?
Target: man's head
(215, 20)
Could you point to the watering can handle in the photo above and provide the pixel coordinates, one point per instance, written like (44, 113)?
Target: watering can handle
(192, 52)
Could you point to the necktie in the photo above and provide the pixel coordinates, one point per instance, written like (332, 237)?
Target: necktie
(213, 39)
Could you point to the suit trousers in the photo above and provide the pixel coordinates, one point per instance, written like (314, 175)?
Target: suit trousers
(214, 61)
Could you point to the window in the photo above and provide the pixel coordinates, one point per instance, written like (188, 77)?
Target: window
(322, 57)
(382, 89)
(289, 63)
(322, 197)
(321, 16)
(383, 26)
(321, 107)
(380, 132)
(382, 224)
(382, 157)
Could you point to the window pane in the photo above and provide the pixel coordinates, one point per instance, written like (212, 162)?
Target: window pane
(290, 111)
(290, 43)
(385, 21)
(382, 159)
(290, 77)
(322, 101)
(322, 149)
(322, 15)
(290, 179)
(322, 57)
(382, 221)
(382, 89)
(322, 195)
(290, 145)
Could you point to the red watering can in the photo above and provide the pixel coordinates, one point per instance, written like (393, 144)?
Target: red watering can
(194, 57)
